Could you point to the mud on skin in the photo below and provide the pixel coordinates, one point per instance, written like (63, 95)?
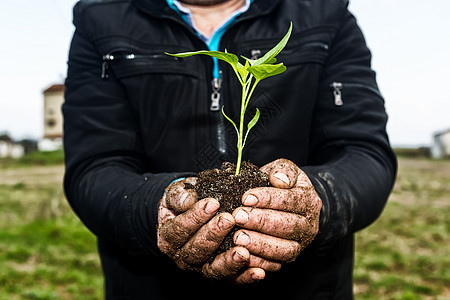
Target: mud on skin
(228, 189)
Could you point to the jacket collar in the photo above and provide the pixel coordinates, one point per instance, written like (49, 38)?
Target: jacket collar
(160, 9)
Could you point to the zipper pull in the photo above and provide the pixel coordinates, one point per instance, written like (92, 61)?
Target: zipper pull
(255, 54)
(216, 84)
(337, 86)
(105, 66)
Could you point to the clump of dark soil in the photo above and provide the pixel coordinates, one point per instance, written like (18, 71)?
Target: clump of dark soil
(229, 188)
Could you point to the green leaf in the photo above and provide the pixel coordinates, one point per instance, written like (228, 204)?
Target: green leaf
(250, 125)
(231, 121)
(267, 58)
(263, 71)
(255, 119)
(227, 57)
(233, 60)
(242, 70)
(253, 61)
(249, 60)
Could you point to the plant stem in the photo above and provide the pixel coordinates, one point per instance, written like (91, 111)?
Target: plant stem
(250, 95)
(246, 94)
(241, 129)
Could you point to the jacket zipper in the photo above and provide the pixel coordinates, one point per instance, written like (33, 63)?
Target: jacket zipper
(216, 85)
(109, 57)
(105, 66)
(257, 53)
(338, 86)
(216, 95)
(316, 44)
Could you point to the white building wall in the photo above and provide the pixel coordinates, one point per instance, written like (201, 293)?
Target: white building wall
(53, 120)
(4, 149)
(441, 145)
(8, 149)
(446, 143)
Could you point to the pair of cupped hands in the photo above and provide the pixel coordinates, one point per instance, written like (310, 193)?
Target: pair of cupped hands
(276, 224)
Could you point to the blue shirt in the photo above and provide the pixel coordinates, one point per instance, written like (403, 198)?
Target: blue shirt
(214, 41)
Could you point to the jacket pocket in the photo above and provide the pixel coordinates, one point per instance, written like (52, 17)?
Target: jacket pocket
(339, 88)
(125, 63)
(310, 46)
(311, 52)
(350, 112)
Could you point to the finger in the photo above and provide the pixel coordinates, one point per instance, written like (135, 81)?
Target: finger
(276, 223)
(303, 180)
(295, 200)
(207, 239)
(266, 265)
(251, 275)
(180, 199)
(164, 214)
(180, 229)
(227, 264)
(268, 247)
(282, 173)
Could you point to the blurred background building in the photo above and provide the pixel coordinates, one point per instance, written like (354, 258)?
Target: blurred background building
(53, 119)
(441, 145)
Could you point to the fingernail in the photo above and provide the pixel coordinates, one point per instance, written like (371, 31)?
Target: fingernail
(250, 200)
(211, 206)
(243, 239)
(256, 276)
(183, 199)
(224, 223)
(237, 257)
(241, 216)
(283, 177)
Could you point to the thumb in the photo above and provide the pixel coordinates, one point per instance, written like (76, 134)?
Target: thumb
(283, 173)
(179, 198)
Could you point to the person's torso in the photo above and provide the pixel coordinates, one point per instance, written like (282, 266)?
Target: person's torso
(171, 98)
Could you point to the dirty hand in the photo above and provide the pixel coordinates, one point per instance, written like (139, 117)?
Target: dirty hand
(279, 221)
(189, 232)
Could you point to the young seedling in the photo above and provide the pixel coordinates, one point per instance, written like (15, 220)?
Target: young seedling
(249, 75)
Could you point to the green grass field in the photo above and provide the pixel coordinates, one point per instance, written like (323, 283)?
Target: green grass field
(46, 253)
(406, 253)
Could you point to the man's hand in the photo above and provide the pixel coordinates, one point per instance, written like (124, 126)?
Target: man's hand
(279, 221)
(189, 232)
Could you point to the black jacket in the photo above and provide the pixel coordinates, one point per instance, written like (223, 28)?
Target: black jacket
(136, 119)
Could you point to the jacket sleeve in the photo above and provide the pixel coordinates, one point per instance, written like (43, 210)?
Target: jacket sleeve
(106, 181)
(353, 167)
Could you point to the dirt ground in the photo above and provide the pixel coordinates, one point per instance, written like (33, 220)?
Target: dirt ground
(405, 254)
(33, 175)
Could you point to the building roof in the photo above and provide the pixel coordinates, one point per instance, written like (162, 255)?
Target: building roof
(55, 88)
(443, 132)
(5, 137)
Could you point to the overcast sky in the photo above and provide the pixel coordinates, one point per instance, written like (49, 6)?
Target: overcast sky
(409, 39)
